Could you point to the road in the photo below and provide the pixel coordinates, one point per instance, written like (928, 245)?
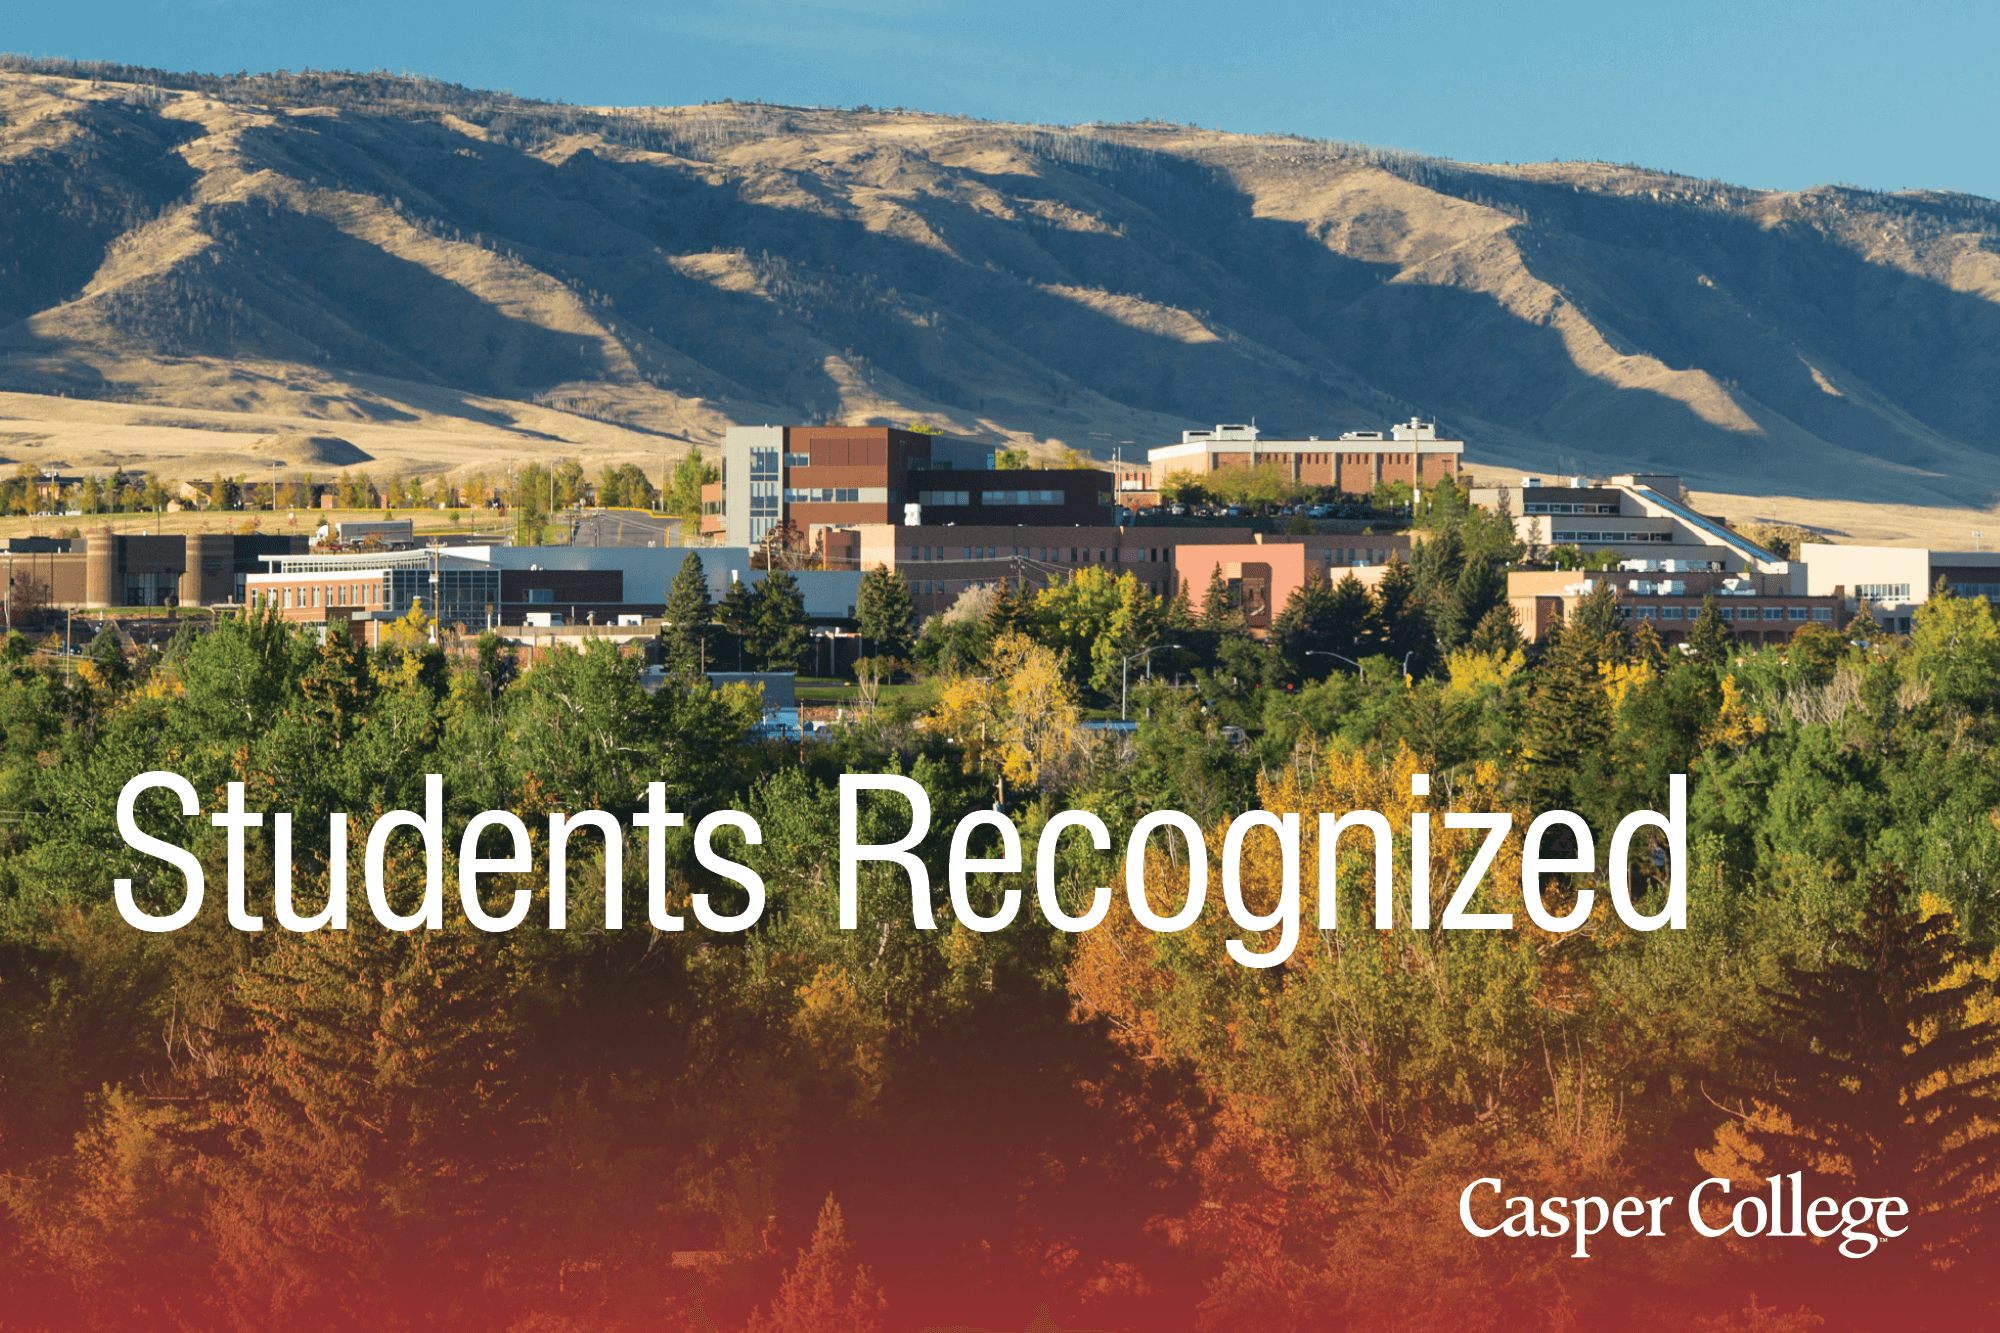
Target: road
(621, 527)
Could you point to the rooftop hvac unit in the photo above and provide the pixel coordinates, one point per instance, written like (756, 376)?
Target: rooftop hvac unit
(1531, 483)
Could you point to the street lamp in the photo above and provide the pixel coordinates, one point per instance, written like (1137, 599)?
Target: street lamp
(1124, 689)
(1317, 652)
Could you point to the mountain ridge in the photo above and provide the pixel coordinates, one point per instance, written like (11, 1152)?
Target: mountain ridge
(393, 251)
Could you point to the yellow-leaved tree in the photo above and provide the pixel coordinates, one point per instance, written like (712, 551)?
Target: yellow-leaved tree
(1020, 718)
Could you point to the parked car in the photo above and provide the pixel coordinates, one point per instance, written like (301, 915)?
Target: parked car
(1178, 511)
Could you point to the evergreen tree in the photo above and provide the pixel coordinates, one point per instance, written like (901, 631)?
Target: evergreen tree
(885, 611)
(1648, 648)
(1878, 1063)
(688, 612)
(737, 614)
(1009, 612)
(1497, 633)
(1710, 638)
(1217, 611)
(1568, 718)
(1305, 626)
(1347, 619)
(1401, 628)
(778, 635)
(108, 656)
(1479, 589)
(1178, 615)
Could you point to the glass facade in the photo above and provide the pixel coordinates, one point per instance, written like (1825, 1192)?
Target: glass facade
(463, 595)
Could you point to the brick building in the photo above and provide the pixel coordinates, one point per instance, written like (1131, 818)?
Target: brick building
(1760, 608)
(1356, 462)
(815, 476)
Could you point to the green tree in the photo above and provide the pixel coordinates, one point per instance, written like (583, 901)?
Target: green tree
(1877, 1060)
(689, 476)
(737, 614)
(687, 613)
(778, 637)
(1710, 639)
(1010, 460)
(885, 612)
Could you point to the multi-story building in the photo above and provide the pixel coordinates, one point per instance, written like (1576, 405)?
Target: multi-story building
(1356, 462)
(108, 569)
(940, 563)
(843, 475)
(1760, 608)
(1638, 516)
(1891, 582)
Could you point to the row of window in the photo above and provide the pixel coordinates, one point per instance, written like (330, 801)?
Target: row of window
(1884, 592)
(1581, 537)
(1021, 497)
(1073, 555)
(1735, 613)
(1541, 507)
(947, 587)
(825, 495)
(764, 463)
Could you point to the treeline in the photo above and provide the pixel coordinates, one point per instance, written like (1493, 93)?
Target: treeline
(798, 1126)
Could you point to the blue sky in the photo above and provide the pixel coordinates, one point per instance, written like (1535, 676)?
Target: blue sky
(1774, 95)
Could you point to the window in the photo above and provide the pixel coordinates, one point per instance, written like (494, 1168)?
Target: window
(1646, 613)
(1673, 613)
(825, 495)
(1021, 497)
(798, 460)
(1726, 612)
(1884, 592)
(1774, 613)
(1795, 613)
(1822, 613)
(946, 498)
(763, 463)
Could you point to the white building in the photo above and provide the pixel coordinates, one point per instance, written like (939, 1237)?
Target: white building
(1895, 580)
(1640, 516)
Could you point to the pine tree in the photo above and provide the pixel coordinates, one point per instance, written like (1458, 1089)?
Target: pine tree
(1710, 639)
(1305, 625)
(1217, 612)
(1568, 718)
(1498, 633)
(778, 635)
(1401, 629)
(826, 1292)
(737, 614)
(1878, 1063)
(885, 610)
(688, 612)
(1347, 620)
(1009, 612)
(1178, 615)
(1479, 589)
(1648, 648)
(107, 655)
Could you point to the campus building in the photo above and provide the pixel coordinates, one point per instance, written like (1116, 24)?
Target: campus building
(1891, 582)
(1356, 462)
(1759, 608)
(545, 586)
(815, 476)
(107, 569)
(1639, 516)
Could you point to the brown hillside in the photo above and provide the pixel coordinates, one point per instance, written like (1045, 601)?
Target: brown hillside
(442, 276)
